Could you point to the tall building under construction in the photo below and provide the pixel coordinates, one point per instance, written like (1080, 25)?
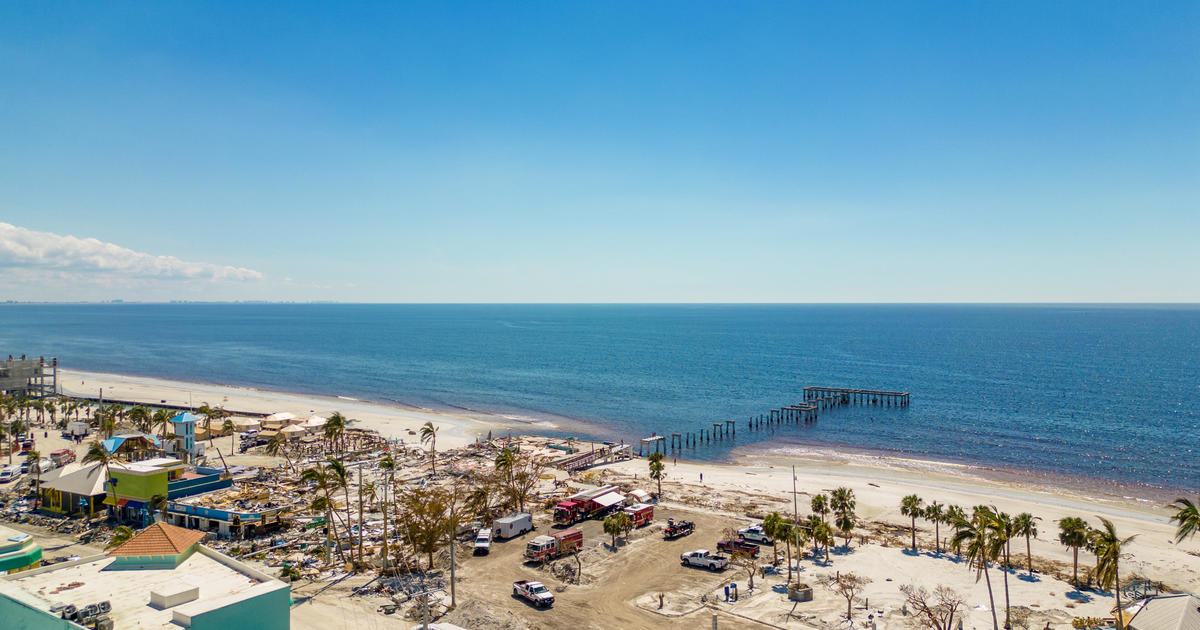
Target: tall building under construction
(34, 378)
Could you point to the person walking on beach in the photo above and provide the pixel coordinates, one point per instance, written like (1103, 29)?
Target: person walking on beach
(701, 477)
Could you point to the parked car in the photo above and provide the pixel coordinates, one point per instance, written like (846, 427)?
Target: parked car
(9, 473)
(738, 545)
(483, 541)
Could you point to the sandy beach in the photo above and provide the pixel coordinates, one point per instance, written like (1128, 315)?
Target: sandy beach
(392, 421)
(754, 484)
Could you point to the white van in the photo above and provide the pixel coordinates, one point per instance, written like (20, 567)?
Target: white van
(9, 473)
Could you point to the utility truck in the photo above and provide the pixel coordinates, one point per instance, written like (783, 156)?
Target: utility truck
(641, 514)
(704, 559)
(555, 545)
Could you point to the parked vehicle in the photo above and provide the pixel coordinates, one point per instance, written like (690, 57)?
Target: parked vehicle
(62, 457)
(77, 428)
(556, 545)
(755, 534)
(641, 514)
(676, 529)
(8, 473)
(535, 592)
(705, 560)
(513, 525)
(483, 541)
(586, 504)
(738, 545)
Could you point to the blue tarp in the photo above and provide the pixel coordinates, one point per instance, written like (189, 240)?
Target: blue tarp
(185, 417)
(113, 443)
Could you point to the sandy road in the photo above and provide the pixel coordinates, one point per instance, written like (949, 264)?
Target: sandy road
(648, 564)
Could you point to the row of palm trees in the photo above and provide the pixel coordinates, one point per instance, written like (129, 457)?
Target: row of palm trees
(815, 528)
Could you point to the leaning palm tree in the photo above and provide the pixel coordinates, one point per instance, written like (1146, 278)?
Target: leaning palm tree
(388, 465)
(140, 417)
(277, 446)
(121, 535)
(976, 534)
(1025, 524)
(162, 418)
(1108, 546)
(1187, 514)
(429, 436)
(911, 506)
(339, 477)
(1073, 534)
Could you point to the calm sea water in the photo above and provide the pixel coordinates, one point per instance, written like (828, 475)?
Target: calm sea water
(1107, 392)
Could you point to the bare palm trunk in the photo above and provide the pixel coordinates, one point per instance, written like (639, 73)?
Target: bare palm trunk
(1029, 556)
(1007, 617)
(914, 533)
(1117, 588)
(937, 536)
(991, 600)
(1075, 567)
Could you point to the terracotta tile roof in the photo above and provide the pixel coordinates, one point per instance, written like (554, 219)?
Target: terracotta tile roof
(160, 539)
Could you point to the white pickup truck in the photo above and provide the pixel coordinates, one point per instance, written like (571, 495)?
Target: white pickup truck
(704, 559)
(535, 592)
(755, 534)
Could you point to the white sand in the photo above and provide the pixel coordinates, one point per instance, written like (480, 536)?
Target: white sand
(393, 421)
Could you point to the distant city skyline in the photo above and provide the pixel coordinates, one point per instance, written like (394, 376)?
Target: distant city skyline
(609, 152)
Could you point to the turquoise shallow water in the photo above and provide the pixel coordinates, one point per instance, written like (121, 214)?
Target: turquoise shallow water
(1106, 392)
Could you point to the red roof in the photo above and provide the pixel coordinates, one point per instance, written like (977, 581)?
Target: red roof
(160, 539)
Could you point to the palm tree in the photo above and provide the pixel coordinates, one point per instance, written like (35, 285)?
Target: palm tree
(981, 549)
(785, 531)
(657, 468)
(277, 446)
(1187, 514)
(228, 426)
(1073, 534)
(140, 417)
(1026, 525)
(843, 503)
(429, 436)
(35, 467)
(335, 431)
(771, 527)
(935, 513)
(820, 505)
(340, 477)
(615, 524)
(4, 437)
(1108, 547)
(121, 535)
(800, 535)
(387, 465)
(320, 477)
(911, 506)
(159, 503)
(162, 418)
(1003, 530)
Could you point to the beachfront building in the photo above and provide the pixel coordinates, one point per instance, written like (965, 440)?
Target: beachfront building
(228, 514)
(133, 447)
(133, 486)
(1177, 611)
(184, 444)
(18, 551)
(161, 578)
(75, 489)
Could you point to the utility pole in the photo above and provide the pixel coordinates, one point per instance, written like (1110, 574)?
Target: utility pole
(795, 509)
(360, 515)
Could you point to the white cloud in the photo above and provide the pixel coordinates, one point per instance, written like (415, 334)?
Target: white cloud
(20, 247)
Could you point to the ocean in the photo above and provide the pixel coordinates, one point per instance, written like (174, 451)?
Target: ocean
(1105, 392)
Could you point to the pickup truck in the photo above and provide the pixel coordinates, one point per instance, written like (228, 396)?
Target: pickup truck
(738, 545)
(702, 558)
(483, 541)
(535, 592)
(754, 533)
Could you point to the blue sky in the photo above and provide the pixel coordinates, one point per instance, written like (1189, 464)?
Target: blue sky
(602, 151)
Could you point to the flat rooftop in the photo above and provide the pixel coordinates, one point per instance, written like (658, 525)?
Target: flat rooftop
(90, 581)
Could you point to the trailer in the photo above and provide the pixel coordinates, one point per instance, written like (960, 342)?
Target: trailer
(641, 514)
(555, 545)
(513, 525)
(676, 529)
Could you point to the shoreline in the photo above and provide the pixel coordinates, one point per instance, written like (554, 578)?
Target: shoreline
(397, 419)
